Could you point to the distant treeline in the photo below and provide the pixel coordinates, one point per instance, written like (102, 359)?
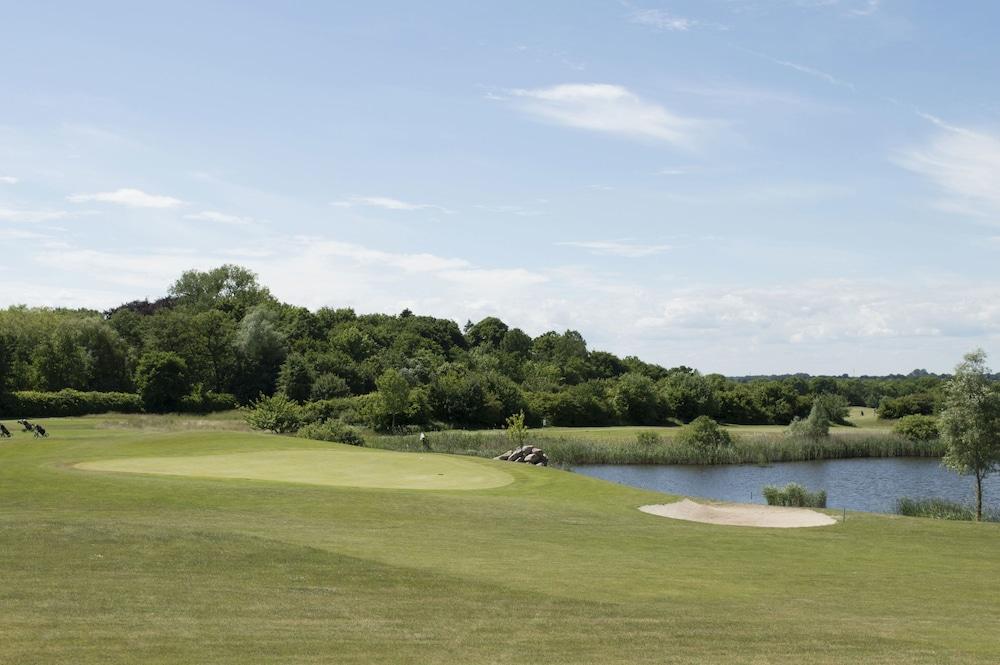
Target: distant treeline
(219, 337)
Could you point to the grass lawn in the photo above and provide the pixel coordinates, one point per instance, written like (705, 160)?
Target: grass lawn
(132, 563)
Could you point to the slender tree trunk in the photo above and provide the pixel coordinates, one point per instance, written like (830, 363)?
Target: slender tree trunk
(979, 497)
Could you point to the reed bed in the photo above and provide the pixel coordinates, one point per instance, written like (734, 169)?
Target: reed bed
(745, 449)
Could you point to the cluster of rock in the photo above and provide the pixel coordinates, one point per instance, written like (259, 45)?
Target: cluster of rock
(525, 455)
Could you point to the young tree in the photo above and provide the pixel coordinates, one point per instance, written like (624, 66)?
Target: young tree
(296, 377)
(517, 431)
(970, 422)
(395, 392)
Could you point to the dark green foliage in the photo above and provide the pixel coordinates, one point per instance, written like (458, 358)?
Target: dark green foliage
(296, 378)
(329, 386)
(794, 495)
(67, 402)
(162, 379)
(332, 430)
(908, 405)
(235, 337)
(207, 402)
(942, 509)
(917, 428)
(833, 406)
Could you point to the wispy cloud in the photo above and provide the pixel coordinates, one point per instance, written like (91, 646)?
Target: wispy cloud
(388, 203)
(617, 248)
(134, 198)
(32, 216)
(519, 211)
(611, 109)
(869, 8)
(964, 164)
(661, 19)
(804, 69)
(9, 180)
(219, 218)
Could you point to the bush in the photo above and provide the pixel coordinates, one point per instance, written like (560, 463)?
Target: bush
(207, 402)
(834, 406)
(648, 439)
(38, 404)
(794, 494)
(277, 414)
(332, 430)
(704, 433)
(816, 426)
(162, 378)
(917, 428)
(942, 509)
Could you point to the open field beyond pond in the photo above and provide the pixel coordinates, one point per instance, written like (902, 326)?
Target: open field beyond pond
(121, 565)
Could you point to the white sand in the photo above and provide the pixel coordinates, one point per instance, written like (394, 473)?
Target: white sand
(740, 514)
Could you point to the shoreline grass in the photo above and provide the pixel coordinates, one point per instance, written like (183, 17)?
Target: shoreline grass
(942, 509)
(745, 449)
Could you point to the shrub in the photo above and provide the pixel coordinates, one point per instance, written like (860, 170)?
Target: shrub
(794, 494)
(815, 426)
(917, 428)
(277, 414)
(648, 439)
(332, 430)
(207, 402)
(834, 406)
(704, 433)
(162, 378)
(329, 386)
(38, 404)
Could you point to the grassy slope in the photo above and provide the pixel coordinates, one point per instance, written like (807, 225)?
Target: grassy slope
(102, 567)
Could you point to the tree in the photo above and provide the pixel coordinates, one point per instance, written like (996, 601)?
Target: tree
(970, 422)
(296, 378)
(834, 406)
(231, 288)
(395, 393)
(517, 431)
(261, 349)
(635, 400)
(162, 379)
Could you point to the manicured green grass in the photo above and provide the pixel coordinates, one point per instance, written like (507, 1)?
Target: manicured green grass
(109, 567)
(346, 466)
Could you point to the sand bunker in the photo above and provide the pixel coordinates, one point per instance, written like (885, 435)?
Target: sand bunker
(740, 515)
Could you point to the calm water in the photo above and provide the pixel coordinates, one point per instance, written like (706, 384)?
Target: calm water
(871, 485)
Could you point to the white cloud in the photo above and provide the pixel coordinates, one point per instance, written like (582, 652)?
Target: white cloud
(388, 203)
(615, 248)
(9, 180)
(867, 9)
(612, 109)
(219, 218)
(32, 216)
(661, 19)
(135, 198)
(964, 165)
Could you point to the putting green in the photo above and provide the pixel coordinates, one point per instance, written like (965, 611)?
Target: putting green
(350, 468)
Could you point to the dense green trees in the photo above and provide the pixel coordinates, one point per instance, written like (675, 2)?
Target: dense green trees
(233, 336)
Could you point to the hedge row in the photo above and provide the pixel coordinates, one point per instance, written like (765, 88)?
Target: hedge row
(37, 404)
(68, 402)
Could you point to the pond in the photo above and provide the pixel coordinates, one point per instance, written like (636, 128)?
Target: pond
(870, 485)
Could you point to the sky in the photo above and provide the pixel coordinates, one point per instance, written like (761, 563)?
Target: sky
(741, 186)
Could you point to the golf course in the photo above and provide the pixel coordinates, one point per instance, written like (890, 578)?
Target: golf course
(189, 539)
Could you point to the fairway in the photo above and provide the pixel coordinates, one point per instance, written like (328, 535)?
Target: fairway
(343, 467)
(239, 547)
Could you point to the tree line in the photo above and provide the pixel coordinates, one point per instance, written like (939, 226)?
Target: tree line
(219, 337)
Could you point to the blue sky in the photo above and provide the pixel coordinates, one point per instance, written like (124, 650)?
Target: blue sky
(742, 186)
